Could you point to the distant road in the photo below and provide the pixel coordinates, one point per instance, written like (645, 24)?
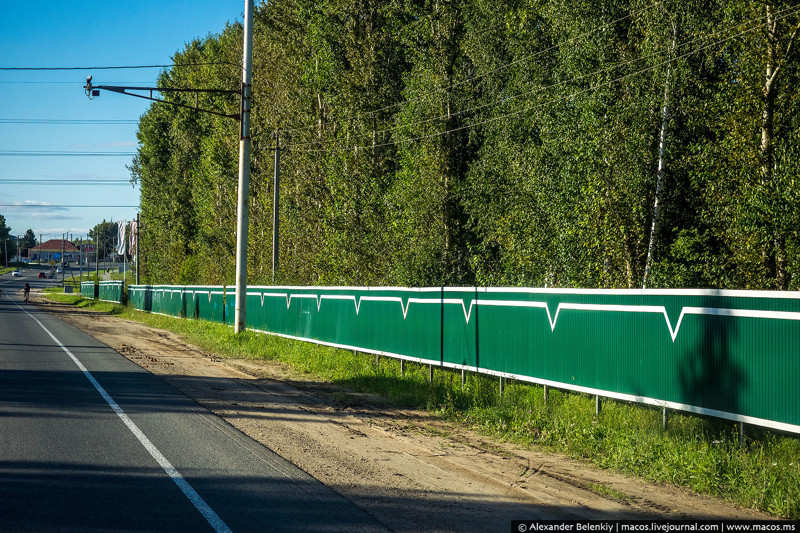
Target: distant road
(90, 441)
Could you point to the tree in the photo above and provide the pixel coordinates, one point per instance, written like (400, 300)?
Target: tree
(28, 241)
(515, 142)
(104, 234)
(6, 243)
(779, 43)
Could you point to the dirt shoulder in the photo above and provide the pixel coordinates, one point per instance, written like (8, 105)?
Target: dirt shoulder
(407, 469)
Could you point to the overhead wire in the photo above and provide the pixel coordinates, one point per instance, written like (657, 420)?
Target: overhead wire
(481, 75)
(23, 181)
(296, 146)
(60, 153)
(116, 67)
(78, 121)
(508, 99)
(64, 206)
(69, 82)
(785, 13)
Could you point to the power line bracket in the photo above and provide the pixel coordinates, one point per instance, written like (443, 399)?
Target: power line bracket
(93, 90)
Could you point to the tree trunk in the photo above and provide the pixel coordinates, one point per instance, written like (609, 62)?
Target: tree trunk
(775, 258)
(769, 100)
(662, 141)
(770, 252)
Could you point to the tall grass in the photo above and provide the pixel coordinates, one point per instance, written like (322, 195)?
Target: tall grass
(701, 453)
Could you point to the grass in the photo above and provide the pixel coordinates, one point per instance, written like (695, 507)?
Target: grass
(11, 268)
(700, 453)
(56, 294)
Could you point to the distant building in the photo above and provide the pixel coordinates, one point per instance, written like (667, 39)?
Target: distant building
(52, 250)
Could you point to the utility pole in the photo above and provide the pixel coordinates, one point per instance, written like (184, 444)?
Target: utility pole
(137, 248)
(275, 207)
(242, 214)
(123, 246)
(63, 237)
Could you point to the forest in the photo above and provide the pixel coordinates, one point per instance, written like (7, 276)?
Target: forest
(538, 143)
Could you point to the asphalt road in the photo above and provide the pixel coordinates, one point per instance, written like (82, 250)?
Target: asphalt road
(91, 442)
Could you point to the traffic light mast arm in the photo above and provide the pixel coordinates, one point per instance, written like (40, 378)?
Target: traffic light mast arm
(93, 90)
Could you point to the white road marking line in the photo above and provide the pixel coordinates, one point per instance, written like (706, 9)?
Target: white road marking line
(200, 504)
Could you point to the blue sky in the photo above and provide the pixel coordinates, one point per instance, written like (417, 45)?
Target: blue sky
(82, 34)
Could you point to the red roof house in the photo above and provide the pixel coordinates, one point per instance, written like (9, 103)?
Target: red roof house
(52, 250)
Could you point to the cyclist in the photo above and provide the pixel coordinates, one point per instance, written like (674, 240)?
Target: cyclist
(27, 291)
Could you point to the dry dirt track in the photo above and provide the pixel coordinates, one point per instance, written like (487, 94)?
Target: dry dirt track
(406, 469)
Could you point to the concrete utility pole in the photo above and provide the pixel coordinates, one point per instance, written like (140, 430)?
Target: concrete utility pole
(136, 236)
(242, 215)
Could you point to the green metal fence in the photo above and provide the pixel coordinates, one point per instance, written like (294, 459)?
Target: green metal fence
(191, 301)
(110, 291)
(89, 289)
(729, 354)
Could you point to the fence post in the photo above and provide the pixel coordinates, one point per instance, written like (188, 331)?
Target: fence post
(546, 390)
(597, 405)
(664, 419)
(402, 367)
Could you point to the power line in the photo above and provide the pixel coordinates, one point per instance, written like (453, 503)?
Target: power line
(77, 121)
(780, 14)
(118, 67)
(786, 13)
(63, 182)
(481, 75)
(68, 82)
(506, 99)
(43, 153)
(64, 206)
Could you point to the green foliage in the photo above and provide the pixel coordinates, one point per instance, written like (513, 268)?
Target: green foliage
(190, 272)
(502, 142)
(104, 234)
(28, 241)
(6, 243)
